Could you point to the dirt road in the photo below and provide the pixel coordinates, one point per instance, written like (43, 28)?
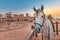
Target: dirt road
(17, 34)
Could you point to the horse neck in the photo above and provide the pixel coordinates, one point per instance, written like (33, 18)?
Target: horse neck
(45, 20)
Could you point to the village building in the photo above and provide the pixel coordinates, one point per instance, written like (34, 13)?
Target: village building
(19, 17)
(8, 17)
(1, 16)
(27, 17)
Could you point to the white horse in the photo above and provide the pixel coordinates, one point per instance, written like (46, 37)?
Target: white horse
(42, 24)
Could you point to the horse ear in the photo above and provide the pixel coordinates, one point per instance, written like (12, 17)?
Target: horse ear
(42, 7)
(34, 8)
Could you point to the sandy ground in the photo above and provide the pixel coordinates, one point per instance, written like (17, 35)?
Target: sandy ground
(22, 32)
(17, 34)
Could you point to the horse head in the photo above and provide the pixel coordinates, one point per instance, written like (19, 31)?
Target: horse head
(39, 12)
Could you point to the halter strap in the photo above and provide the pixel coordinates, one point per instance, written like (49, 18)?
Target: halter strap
(38, 24)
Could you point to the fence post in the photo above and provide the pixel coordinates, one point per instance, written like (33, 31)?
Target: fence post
(56, 27)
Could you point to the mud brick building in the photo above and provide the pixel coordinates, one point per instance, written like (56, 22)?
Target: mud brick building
(9, 17)
(27, 17)
(1, 16)
(19, 17)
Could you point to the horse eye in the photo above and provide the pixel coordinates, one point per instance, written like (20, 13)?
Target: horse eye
(42, 16)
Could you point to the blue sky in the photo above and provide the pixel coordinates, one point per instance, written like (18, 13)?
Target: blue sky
(23, 6)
